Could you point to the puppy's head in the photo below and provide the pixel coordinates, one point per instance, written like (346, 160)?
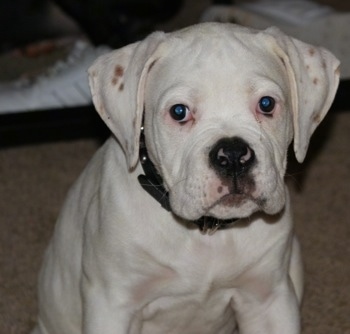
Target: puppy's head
(221, 105)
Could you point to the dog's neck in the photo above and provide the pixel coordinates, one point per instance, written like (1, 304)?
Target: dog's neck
(152, 182)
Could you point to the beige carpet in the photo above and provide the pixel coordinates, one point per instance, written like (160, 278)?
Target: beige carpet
(34, 180)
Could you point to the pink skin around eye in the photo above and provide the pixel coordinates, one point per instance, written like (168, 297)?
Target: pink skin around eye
(189, 117)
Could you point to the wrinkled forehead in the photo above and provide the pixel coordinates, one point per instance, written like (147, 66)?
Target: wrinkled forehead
(225, 56)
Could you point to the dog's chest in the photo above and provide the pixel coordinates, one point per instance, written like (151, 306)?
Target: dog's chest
(189, 314)
(194, 293)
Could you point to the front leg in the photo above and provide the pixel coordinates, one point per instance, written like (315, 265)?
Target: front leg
(105, 312)
(275, 313)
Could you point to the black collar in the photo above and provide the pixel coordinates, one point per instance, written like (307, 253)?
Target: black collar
(152, 182)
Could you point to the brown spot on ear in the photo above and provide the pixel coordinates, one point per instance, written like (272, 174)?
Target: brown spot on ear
(220, 189)
(93, 73)
(315, 81)
(119, 71)
(121, 87)
(312, 51)
(337, 71)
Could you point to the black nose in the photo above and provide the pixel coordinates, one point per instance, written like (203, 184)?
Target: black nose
(231, 157)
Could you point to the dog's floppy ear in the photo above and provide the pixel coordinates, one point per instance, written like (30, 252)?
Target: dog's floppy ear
(117, 83)
(313, 74)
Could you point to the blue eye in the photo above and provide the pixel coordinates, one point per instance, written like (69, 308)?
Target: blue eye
(179, 112)
(267, 104)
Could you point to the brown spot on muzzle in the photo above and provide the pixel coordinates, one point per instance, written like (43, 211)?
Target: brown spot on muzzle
(240, 190)
(233, 200)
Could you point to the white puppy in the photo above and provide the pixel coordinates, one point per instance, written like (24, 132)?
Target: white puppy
(220, 105)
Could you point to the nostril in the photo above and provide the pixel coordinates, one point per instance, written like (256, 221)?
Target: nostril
(222, 158)
(231, 156)
(247, 157)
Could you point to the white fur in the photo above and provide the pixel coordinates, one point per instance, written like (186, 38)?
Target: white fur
(118, 262)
